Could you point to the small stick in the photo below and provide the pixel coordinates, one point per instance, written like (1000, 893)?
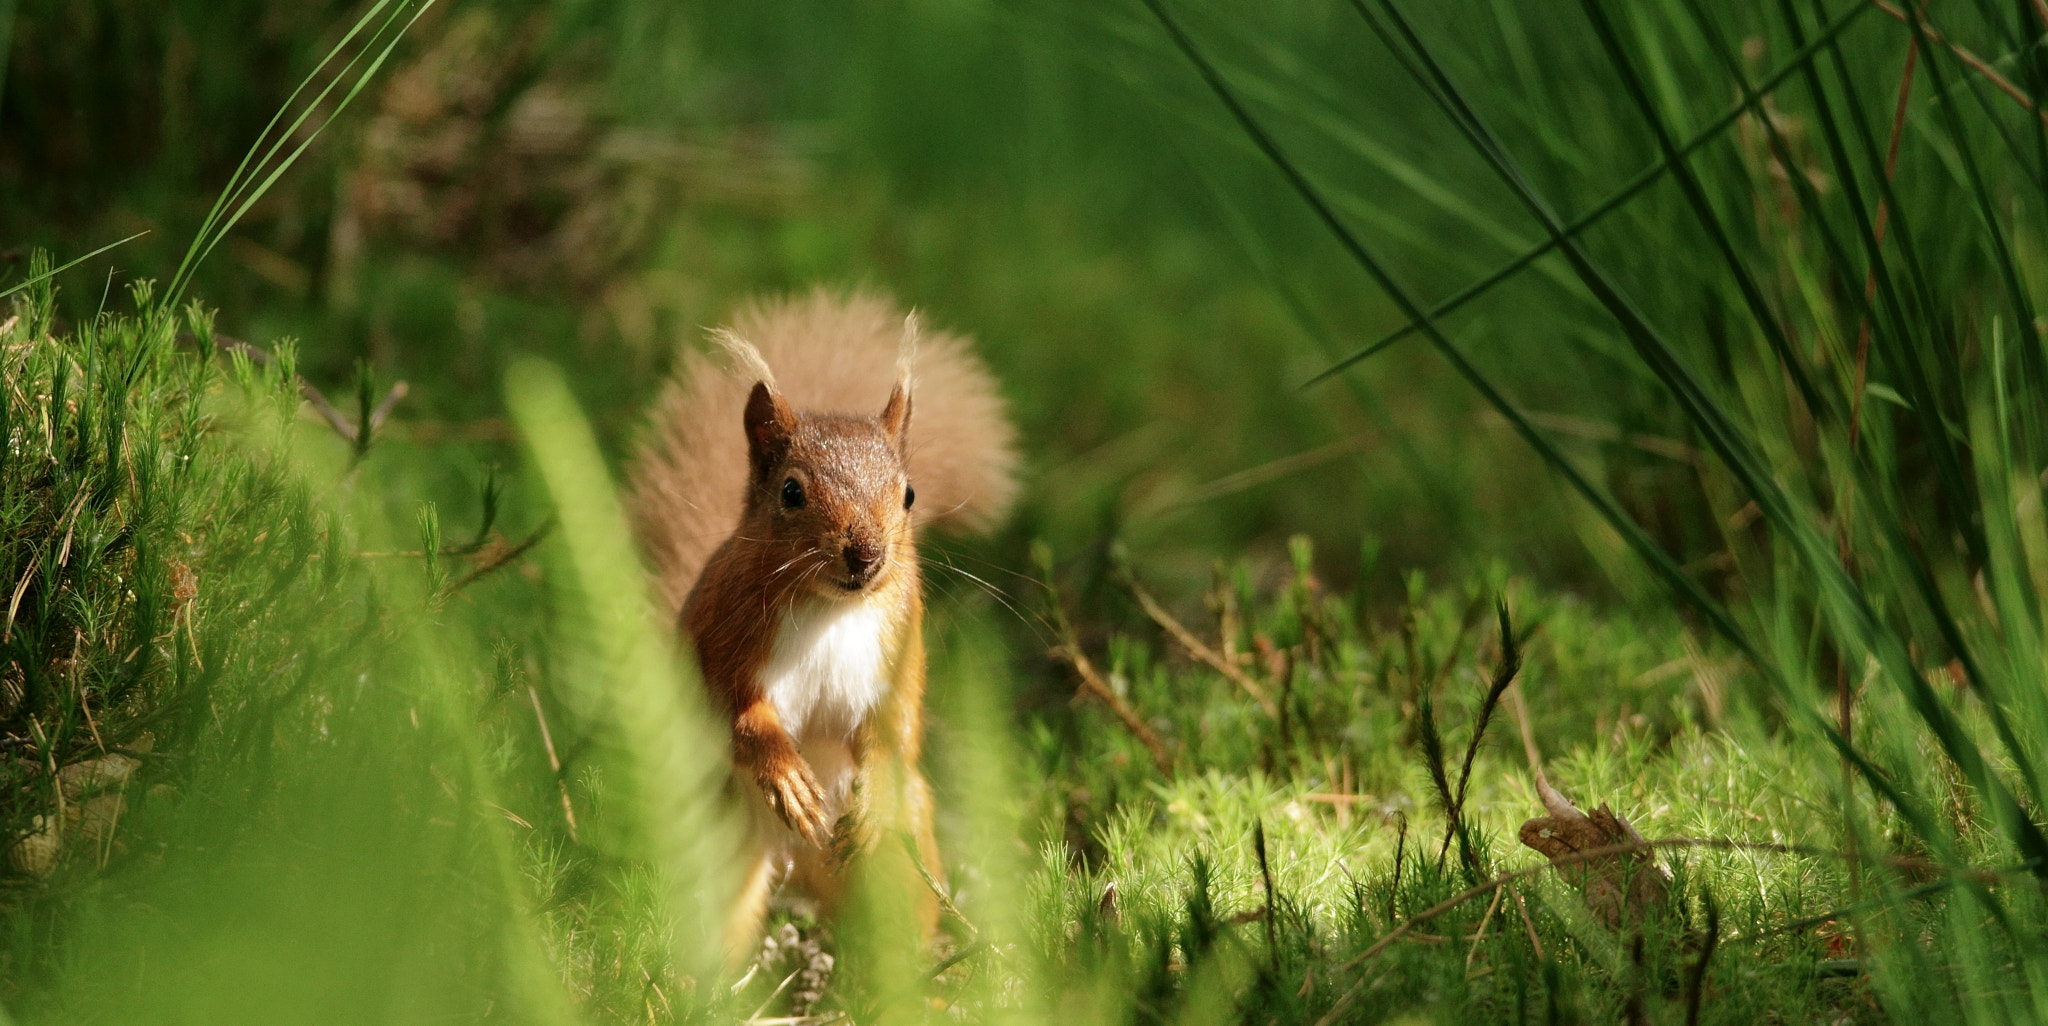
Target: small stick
(1527, 923)
(1091, 679)
(14, 605)
(1201, 651)
(313, 396)
(503, 558)
(1069, 649)
(1341, 1006)
(1480, 934)
(547, 741)
(951, 909)
(772, 995)
(945, 900)
(1976, 63)
(398, 391)
(1553, 802)
(85, 706)
(327, 411)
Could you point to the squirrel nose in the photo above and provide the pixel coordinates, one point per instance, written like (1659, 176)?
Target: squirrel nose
(862, 557)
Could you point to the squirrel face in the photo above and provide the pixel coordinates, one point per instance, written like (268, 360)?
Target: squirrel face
(828, 497)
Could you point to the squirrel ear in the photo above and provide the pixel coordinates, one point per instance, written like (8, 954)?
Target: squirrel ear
(770, 422)
(896, 417)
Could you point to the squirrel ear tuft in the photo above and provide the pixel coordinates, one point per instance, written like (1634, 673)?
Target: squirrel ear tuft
(769, 422)
(896, 417)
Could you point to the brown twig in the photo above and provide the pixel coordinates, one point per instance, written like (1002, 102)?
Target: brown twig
(501, 559)
(932, 882)
(399, 390)
(313, 396)
(1069, 650)
(34, 563)
(547, 740)
(1529, 748)
(1974, 62)
(1200, 650)
(1845, 693)
(1528, 923)
(1091, 679)
(327, 411)
(1479, 935)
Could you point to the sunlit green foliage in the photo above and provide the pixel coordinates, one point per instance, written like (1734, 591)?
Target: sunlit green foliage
(1734, 405)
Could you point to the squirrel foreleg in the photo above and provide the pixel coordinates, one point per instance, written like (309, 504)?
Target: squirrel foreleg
(760, 744)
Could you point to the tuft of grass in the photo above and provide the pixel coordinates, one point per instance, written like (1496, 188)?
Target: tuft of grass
(1845, 498)
(128, 523)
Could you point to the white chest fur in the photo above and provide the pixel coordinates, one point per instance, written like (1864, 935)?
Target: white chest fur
(827, 671)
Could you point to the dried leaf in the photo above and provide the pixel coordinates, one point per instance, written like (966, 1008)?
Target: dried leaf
(1621, 887)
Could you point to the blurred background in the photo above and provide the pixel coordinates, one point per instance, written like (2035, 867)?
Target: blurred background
(1798, 378)
(600, 182)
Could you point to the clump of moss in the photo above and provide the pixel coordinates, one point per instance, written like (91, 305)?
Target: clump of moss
(136, 543)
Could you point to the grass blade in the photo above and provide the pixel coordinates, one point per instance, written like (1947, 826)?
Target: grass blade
(1634, 187)
(31, 280)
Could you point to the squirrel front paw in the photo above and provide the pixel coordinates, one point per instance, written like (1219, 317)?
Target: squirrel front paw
(793, 792)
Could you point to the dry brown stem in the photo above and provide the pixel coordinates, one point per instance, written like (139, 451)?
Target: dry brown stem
(1197, 648)
(1974, 62)
(1093, 682)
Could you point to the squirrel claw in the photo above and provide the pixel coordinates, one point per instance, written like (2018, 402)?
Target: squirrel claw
(794, 794)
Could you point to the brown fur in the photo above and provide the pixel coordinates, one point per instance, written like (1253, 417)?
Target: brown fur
(811, 509)
(831, 353)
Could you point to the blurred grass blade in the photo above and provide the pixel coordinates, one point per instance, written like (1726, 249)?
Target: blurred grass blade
(622, 674)
(1429, 479)
(1846, 604)
(1987, 207)
(1620, 197)
(1767, 320)
(1661, 562)
(1893, 335)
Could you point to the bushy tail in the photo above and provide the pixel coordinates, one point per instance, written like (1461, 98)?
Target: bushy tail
(829, 354)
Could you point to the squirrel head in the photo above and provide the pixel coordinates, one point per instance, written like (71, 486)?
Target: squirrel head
(828, 495)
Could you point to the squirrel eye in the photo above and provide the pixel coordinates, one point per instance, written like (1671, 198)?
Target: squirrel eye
(792, 494)
(909, 496)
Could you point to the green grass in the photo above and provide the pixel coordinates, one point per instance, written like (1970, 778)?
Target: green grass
(1722, 453)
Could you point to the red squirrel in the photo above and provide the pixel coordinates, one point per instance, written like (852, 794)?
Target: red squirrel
(779, 499)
